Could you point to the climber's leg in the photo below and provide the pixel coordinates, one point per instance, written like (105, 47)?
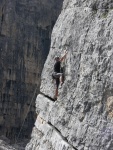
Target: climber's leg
(56, 90)
(60, 76)
(56, 94)
(61, 79)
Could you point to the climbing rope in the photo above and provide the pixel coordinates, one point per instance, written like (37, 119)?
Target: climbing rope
(16, 140)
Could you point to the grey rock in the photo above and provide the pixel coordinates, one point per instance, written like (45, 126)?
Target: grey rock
(25, 29)
(45, 136)
(83, 112)
(44, 107)
(5, 146)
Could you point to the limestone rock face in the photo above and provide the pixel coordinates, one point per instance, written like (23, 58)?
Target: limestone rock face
(25, 32)
(83, 113)
(5, 146)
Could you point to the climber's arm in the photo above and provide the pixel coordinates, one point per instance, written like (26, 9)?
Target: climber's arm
(64, 56)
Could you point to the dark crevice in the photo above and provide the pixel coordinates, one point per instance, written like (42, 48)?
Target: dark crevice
(61, 135)
(2, 19)
(1, 35)
(2, 16)
(52, 99)
(64, 138)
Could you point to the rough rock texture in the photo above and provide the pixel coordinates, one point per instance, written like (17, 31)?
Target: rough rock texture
(5, 144)
(83, 113)
(25, 32)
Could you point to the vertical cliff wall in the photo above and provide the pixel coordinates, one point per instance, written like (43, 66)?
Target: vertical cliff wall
(25, 34)
(82, 117)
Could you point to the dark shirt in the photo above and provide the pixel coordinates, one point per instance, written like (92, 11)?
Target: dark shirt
(57, 67)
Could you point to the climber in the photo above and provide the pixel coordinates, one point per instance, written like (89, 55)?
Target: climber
(58, 75)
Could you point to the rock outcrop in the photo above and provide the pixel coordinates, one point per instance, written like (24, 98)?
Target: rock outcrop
(5, 146)
(25, 35)
(82, 117)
